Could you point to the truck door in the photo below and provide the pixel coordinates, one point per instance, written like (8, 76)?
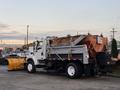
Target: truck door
(39, 54)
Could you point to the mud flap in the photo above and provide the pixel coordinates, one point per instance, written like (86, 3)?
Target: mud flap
(103, 62)
(87, 69)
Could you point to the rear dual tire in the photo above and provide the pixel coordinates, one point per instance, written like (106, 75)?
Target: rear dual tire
(73, 70)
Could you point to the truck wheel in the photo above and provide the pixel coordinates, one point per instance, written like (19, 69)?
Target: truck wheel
(73, 70)
(31, 67)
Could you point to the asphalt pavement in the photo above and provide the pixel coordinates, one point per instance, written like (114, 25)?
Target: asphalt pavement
(21, 80)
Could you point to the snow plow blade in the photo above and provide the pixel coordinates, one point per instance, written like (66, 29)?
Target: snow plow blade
(15, 63)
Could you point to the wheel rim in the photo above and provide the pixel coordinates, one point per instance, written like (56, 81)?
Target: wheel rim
(71, 71)
(30, 67)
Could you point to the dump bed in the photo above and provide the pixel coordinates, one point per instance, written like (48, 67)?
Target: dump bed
(95, 43)
(68, 52)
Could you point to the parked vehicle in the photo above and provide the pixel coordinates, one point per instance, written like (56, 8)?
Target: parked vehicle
(75, 55)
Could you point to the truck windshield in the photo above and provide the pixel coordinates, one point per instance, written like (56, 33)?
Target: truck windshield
(38, 45)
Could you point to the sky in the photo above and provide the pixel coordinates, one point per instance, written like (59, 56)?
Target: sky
(57, 18)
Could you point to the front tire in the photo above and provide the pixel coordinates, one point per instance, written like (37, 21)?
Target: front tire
(73, 70)
(31, 68)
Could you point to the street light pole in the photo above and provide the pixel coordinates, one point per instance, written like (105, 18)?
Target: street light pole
(27, 34)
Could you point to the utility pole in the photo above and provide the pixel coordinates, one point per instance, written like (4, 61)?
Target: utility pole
(77, 33)
(113, 31)
(27, 34)
(25, 41)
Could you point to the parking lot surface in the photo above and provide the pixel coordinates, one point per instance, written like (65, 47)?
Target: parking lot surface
(21, 80)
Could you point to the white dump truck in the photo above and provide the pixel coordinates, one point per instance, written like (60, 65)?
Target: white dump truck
(75, 55)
